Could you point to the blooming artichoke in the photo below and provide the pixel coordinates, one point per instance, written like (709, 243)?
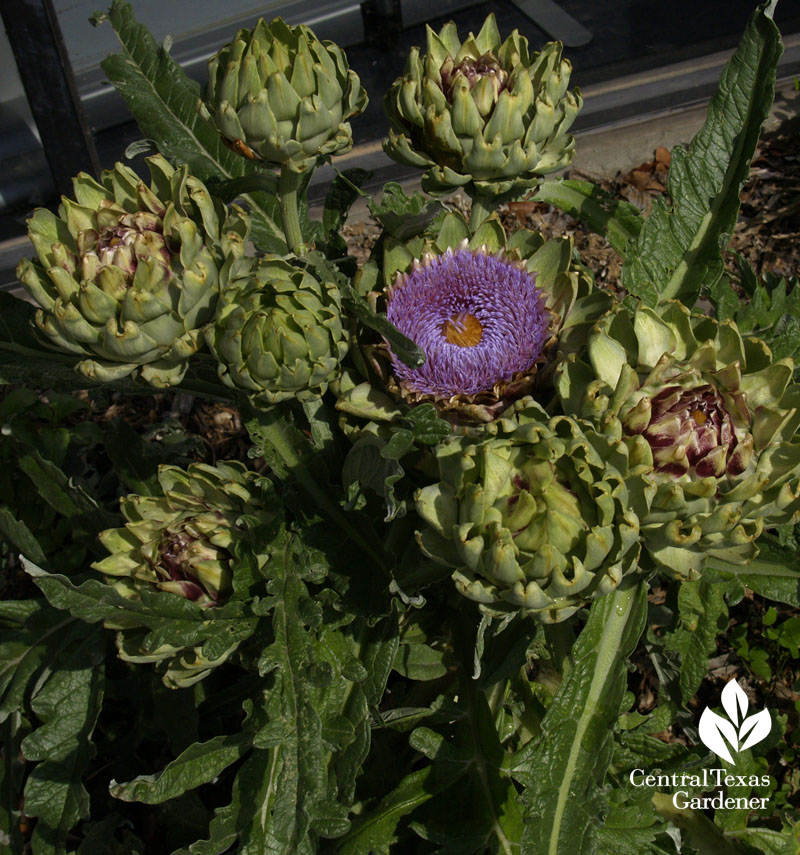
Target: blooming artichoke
(280, 95)
(490, 313)
(280, 336)
(711, 420)
(531, 514)
(127, 275)
(186, 541)
(487, 115)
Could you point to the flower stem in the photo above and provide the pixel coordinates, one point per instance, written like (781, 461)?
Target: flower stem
(482, 206)
(288, 186)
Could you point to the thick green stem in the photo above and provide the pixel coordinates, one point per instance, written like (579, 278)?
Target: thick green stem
(482, 206)
(288, 186)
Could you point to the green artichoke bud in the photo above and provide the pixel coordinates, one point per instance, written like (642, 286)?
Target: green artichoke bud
(185, 542)
(491, 313)
(280, 95)
(487, 115)
(711, 420)
(532, 515)
(128, 275)
(280, 336)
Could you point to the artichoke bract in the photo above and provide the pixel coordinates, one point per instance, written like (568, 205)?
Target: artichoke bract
(487, 115)
(710, 419)
(280, 336)
(491, 314)
(186, 542)
(280, 95)
(531, 514)
(128, 275)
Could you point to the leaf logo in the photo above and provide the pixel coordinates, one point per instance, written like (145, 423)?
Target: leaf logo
(740, 732)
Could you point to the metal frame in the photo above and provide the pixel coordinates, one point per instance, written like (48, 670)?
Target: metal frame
(46, 75)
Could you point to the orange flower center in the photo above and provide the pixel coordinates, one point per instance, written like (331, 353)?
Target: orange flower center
(463, 329)
(700, 418)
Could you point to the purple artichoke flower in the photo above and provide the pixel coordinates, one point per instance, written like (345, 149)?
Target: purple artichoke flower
(479, 318)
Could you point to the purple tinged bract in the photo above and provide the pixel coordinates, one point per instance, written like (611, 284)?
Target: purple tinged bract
(479, 319)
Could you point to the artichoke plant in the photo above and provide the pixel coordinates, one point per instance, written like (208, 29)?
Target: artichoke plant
(187, 541)
(279, 95)
(280, 335)
(711, 420)
(128, 275)
(491, 314)
(484, 114)
(532, 515)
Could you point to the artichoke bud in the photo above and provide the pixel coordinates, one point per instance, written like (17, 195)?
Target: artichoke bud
(534, 519)
(182, 542)
(507, 141)
(706, 429)
(279, 335)
(126, 255)
(279, 95)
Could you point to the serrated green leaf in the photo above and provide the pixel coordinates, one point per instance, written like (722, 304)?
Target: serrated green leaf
(67, 704)
(703, 615)
(426, 426)
(170, 618)
(564, 769)
(619, 221)
(20, 536)
(164, 102)
(300, 779)
(60, 492)
(420, 662)
(770, 842)
(377, 831)
(678, 248)
(703, 835)
(378, 651)
(12, 774)
(30, 632)
(245, 821)
(477, 806)
(198, 764)
(404, 216)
